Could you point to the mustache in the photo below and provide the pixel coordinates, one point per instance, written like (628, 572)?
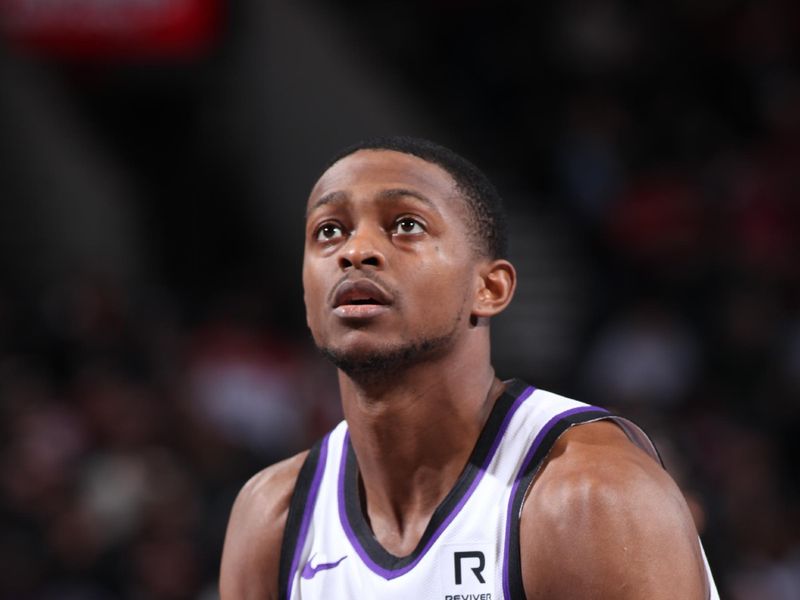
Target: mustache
(364, 275)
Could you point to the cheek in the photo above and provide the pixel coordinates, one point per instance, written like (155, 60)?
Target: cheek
(445, 285)
(311, 293)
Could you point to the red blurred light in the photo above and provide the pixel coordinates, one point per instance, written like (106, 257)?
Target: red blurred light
(111, 29)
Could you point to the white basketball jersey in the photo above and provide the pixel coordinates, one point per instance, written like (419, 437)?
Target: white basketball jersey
(470, 549)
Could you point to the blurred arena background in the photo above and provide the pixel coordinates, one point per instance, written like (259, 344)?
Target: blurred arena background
(155, 158)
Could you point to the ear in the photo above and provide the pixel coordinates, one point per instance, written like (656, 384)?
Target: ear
(496, 283)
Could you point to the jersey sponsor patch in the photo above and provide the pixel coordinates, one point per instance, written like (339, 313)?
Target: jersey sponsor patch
(467, 571)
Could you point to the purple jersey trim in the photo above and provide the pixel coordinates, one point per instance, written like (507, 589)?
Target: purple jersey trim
(390, 574)
(525, 464)
(309, 510)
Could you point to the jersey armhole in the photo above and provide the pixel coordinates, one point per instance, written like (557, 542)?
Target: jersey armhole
(530, 467)
(300, 508)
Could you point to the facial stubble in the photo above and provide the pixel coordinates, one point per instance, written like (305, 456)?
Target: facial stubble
(390, 361)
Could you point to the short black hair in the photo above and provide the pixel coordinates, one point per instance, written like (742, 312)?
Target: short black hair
(488, 226)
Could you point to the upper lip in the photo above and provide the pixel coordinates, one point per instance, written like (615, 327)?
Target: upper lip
(360, 289)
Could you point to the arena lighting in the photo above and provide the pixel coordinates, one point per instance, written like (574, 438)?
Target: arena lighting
(111, 29)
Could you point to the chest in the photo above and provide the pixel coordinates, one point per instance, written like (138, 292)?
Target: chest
(459, 559)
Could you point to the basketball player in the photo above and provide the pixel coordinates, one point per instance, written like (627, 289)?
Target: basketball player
(445, 482)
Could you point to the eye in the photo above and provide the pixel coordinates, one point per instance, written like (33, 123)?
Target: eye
(407, 226)
(328, 232)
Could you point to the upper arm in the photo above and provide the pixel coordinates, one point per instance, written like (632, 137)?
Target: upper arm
(606, 521)
(251, 554)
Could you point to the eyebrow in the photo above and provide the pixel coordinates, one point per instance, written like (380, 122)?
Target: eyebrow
(329, 198)
(337, 197)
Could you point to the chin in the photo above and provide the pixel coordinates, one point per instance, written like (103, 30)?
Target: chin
(384, 360)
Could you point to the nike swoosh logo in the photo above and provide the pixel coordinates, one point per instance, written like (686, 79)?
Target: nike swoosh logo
(309, 571)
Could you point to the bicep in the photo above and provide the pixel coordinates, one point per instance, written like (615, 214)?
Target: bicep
(610, 529)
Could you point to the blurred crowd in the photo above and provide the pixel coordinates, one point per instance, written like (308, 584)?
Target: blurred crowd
(127, 432)
(664, 135)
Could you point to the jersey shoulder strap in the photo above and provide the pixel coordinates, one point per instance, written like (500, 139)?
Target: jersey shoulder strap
(564, 415)
(301, 507)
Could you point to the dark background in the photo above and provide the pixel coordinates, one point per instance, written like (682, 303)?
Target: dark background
(153, 351)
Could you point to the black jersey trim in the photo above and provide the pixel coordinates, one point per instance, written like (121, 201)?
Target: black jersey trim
(351, 514)
(301, 508)
(538, 451)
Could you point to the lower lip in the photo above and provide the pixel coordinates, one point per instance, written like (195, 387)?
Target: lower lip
(360, 311)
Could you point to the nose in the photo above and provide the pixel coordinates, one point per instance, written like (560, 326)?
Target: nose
(361, 251)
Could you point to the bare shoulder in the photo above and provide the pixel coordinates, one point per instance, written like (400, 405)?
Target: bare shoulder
(251, 555)
(604, 520)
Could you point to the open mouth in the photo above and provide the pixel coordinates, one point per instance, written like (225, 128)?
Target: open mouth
(360, 292)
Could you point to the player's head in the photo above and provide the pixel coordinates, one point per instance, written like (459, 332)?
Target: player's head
(400, 263)
(486, 216)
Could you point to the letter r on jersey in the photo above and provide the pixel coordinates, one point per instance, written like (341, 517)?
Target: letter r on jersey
(458, 556)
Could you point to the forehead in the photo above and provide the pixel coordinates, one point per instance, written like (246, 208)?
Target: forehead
(368, 171)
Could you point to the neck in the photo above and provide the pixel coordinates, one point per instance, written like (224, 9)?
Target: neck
(412, 436)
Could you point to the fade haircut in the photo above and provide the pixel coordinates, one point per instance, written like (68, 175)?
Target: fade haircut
(486, 221)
